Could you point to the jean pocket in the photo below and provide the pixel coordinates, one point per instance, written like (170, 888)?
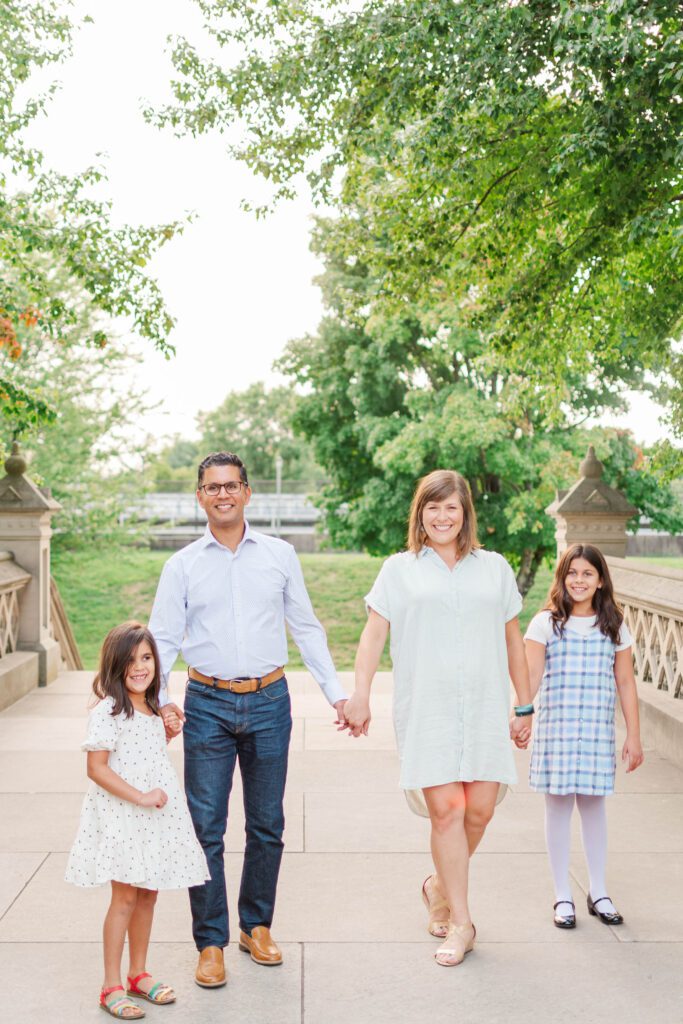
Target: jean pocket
(276, 691)
(195, 689)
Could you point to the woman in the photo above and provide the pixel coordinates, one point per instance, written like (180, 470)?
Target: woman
(455, 645)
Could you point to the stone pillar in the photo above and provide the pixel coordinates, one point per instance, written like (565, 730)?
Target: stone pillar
(25, 514)
(591, 512)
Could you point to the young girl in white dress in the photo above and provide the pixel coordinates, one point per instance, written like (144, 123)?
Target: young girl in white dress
(135, 830)
(579, 654)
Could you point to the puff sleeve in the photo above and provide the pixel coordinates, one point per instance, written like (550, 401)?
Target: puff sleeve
(103, 727)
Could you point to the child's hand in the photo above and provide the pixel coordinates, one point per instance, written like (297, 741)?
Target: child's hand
(155, 798)
(173, 719)
(520, 731)
(172, 725)
(632, 753)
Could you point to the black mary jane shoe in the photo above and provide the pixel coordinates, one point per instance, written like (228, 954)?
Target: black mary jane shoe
(606, 918)
(564, 920)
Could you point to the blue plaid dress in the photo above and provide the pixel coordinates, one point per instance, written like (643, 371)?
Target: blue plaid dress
(573, 749)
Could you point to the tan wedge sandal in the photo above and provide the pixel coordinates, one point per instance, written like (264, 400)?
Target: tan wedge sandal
(436, 926)
(458, 943)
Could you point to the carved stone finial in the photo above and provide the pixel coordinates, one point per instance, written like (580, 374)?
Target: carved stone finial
(15, 465)
(591, 466)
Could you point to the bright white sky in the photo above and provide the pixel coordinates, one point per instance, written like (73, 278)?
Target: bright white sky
(239, 288)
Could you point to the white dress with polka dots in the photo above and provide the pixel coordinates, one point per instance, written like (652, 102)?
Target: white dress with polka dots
(149, 847)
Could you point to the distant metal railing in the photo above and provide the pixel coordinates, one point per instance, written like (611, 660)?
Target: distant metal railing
(263, 509)
(258, 485)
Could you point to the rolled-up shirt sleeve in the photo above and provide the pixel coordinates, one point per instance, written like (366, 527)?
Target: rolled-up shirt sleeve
(168, 621)
(308, 634)
(379, 597)
(512, 599)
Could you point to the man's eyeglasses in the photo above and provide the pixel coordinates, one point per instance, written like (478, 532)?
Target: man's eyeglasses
(213, 490)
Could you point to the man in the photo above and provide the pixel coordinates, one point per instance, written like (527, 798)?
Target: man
(223, 601)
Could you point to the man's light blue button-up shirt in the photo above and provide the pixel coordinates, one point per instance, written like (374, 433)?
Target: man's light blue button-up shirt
(225, 612)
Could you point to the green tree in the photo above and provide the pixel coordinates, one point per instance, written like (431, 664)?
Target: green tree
(521, 160)
(392, 398)
(256, 424)
(59, 250)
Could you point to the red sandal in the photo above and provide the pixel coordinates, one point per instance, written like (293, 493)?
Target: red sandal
(159, 994)
(117, 1007)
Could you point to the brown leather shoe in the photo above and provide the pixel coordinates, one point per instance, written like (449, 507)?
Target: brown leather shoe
(210, 969)
(262, 948)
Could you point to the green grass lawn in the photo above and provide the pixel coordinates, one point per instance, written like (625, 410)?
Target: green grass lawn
(102, 588)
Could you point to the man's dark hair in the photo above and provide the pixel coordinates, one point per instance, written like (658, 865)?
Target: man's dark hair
(222, 459)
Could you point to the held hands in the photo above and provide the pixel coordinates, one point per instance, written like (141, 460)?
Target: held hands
(340, 720)
(632, 753)
(155, 798)
(173, 719)
(357, 715)
(520, 730)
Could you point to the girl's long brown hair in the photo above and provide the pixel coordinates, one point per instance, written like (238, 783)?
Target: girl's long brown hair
(609, 614)
(117, 652)
(438, 486)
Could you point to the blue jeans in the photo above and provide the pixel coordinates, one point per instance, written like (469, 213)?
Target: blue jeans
(220, 728)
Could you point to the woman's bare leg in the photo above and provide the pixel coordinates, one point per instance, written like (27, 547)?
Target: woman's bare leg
(480, 803)
(446, 806)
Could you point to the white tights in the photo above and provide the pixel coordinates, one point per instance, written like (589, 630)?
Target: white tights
(558, 816)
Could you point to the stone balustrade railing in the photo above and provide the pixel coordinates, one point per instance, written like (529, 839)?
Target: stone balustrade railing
(652, 599)
(12, 579)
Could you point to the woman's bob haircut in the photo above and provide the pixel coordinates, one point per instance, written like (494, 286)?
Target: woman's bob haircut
(438, 486)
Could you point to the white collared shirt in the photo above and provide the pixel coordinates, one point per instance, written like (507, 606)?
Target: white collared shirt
(225, 612)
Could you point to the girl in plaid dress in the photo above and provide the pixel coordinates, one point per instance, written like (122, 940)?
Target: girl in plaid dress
(579, 654)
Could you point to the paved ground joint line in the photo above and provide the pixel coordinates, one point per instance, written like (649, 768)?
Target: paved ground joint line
(24, 886)
(302, 987)
(303, 822)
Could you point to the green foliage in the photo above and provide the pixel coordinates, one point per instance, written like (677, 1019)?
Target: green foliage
(59, 249)
(639, 476)
(84, 451)
(522, 161)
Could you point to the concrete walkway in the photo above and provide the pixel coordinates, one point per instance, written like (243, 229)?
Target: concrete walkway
(349, 916)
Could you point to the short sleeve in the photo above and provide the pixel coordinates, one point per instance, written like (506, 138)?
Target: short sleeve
(512, 599)
(625, 638)
(378, 598)
(103, 728)
(539, 629)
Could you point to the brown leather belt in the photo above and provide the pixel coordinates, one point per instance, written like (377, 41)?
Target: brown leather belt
(237, 685)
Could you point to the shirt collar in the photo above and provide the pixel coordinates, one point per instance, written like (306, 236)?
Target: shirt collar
(249, 535)
(426, 549)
